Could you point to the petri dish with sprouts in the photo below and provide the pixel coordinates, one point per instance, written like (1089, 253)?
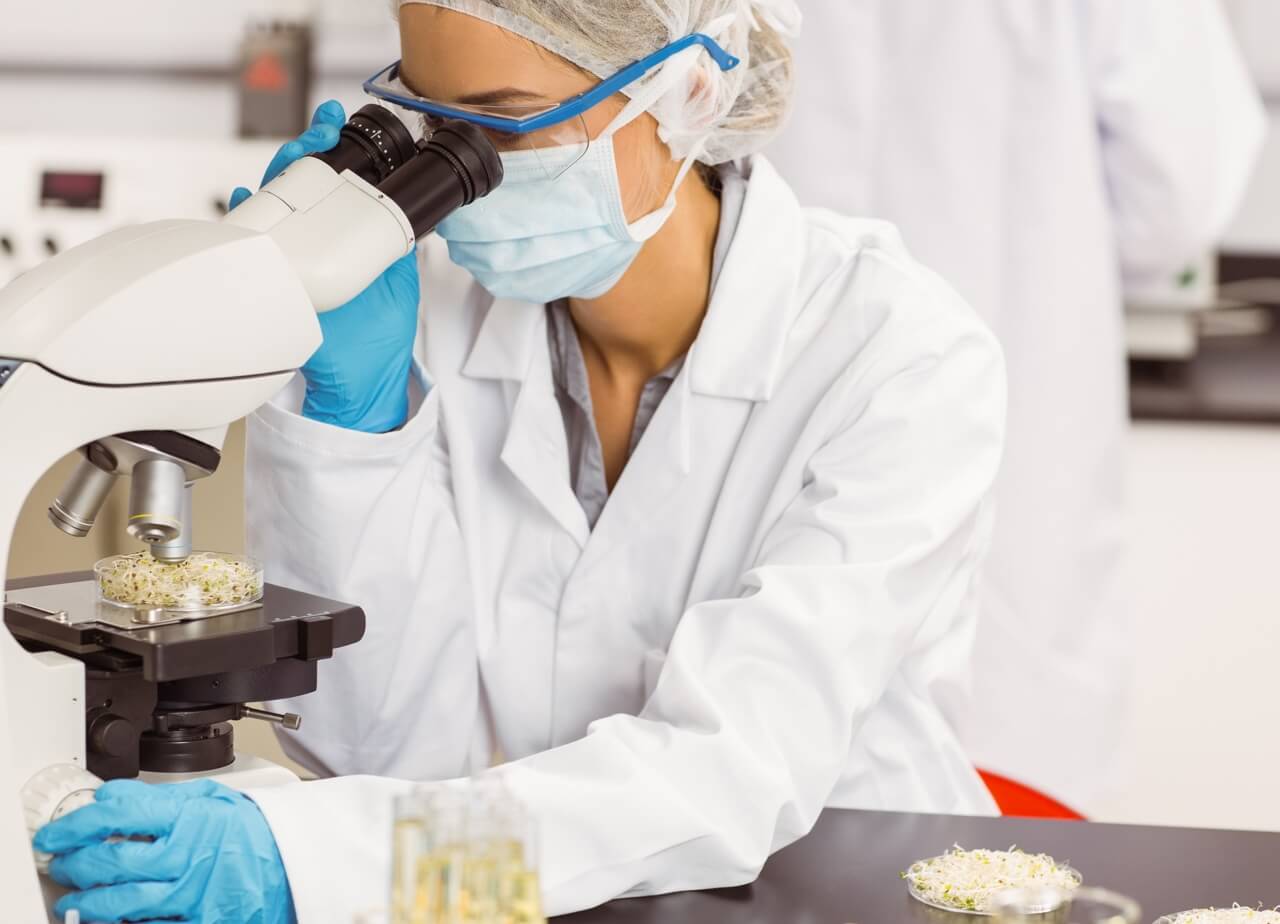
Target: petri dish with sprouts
(1237, 914)
(204, 581)
(969, 881)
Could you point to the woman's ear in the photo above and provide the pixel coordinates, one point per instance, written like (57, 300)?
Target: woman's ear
(702, 97)
(699, 102)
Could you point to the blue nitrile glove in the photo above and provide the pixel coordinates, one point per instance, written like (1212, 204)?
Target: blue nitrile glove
(359, 378)
(213, 859)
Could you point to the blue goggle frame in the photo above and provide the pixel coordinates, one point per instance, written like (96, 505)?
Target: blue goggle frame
(563, 111)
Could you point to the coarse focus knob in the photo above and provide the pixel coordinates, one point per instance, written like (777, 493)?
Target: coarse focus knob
(51, 793)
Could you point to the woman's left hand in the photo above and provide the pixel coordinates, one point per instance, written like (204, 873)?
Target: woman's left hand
(196, 852)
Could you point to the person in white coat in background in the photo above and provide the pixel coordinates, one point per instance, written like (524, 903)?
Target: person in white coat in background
(1041, 157)
(676, 508)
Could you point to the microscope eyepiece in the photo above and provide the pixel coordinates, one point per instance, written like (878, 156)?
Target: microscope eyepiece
(429, 179)
(457, 165)
(372, 145)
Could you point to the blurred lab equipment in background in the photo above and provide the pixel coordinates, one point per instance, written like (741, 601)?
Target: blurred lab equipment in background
(1041, 158)
(275, 79)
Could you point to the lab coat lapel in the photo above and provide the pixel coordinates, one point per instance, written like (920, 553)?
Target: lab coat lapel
(740, 348)
(653, 474)
(511, 346)
(536, 450)
(733, 364)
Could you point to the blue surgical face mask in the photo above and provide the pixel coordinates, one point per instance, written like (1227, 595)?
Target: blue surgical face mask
(556, 227)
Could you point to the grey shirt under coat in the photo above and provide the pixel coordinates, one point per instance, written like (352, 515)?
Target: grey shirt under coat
(573, 387)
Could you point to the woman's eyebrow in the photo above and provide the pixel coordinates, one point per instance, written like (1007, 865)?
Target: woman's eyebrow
(495, 97)
(483, 98)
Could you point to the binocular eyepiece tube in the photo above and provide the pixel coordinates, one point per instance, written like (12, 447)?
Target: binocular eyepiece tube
(428, 180)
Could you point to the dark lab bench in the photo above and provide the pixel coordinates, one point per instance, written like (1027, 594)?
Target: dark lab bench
(847, 871)
(1230, 380)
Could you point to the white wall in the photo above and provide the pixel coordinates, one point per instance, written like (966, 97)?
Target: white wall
(1204, 747)
(1257, 24)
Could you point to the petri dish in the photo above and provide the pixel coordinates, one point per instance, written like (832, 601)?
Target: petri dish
(967, 902)
(204, 582)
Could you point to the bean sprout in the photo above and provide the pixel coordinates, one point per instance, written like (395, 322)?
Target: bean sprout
(202, 580)
(1233, 915)
(969, 880)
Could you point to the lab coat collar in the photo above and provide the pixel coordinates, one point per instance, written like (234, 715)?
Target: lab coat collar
(507, 340)
(536, 448)
(738, 352)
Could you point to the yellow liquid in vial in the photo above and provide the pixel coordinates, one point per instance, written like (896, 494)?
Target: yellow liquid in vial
(452, 886)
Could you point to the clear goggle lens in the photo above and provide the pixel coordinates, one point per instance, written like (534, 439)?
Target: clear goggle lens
(546, 152)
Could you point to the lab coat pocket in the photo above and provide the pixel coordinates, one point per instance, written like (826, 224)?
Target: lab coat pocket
(653, 664)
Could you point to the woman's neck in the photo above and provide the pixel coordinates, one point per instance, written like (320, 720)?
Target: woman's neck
(651, 317)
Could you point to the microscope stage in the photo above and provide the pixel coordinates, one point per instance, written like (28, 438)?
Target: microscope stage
(60, 612)
(76, 602)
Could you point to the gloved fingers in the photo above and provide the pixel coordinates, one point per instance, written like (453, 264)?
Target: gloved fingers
(134, 901)
(116, 862)
(238, 195)
(315, 139)
(322, 135)
(113, 817)
(330, 112)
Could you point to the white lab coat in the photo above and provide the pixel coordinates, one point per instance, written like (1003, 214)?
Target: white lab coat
(763, 622)
(1035, 155)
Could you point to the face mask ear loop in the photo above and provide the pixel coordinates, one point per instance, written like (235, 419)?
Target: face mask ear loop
(647, 226)
(673, 71)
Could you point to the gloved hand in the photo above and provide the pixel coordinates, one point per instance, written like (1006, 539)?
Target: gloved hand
(213, 859)
(359, 378)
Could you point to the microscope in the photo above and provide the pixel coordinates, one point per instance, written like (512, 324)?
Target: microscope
(138, 350)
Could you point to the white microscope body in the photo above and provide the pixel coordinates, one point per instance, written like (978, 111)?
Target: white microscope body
(179, 326)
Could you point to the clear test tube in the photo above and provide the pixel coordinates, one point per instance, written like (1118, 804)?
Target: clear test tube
(522, 887)
(408, 847)
(442, 872)
(464, 855)
(482, 875)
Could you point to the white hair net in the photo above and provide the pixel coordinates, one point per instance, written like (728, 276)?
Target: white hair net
(703, 112)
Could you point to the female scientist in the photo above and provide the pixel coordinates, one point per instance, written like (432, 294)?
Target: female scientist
(675, 508)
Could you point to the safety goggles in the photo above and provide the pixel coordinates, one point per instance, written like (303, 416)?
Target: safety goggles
(555, 133)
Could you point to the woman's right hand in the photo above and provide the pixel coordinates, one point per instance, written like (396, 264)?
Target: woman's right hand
(359, 378)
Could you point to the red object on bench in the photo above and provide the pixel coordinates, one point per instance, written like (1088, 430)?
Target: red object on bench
(1020, 801)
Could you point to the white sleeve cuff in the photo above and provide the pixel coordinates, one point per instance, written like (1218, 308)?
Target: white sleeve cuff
(335, 839)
